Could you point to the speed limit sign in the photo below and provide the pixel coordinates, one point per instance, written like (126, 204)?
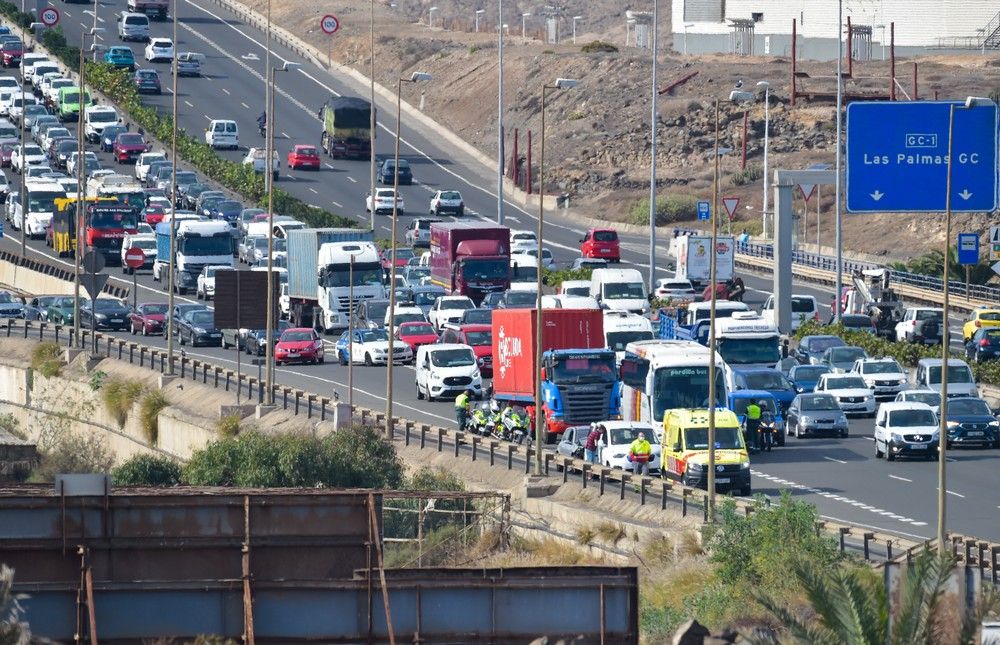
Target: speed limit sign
(329, 24)
(49, 16)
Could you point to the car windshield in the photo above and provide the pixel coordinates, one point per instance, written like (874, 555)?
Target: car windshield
(524, 274)
(450, 194)
(409, 317)
(856, 321)
(112, 131)
(807, 372)
(725, 439)
(457, 303)
(452, 358)
(373, 336)
(969, 406)
(485, 269)
(520, 298)
(131, 140)
(205, 318)
(749, 351)
(154, 309)
(956, 374)
(929, 314)
(846, 354)
(818, 345)
(617, 340)
(415, 273)
(932, 399)
(296, 336)
(404, 254)
(624, 290)
(802, 305)
(307, 152)
(105, 304)
(32, 150)
(846, 383)
(424, 298)
(423, 329)
(625, 436)
(107, 218)
(146, 245)
(479, 338)
(102, 117)
(993, 316)
(478, 316)
(39, 202)
(817, 403)
(911, 418)
(766, 381)
(881, 367)
(582, 368)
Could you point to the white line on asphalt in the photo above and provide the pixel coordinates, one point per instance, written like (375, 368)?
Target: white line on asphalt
(285, 134)
(870, 439)
(951, 492)
(328, 165)
(208, 118)
(66, 13)
(839, 461)
(314, 190)
(187, 103)
(244, 105)
(225, 90)
(513, 219)
(902, 479)
(352, 180)
(337, 204)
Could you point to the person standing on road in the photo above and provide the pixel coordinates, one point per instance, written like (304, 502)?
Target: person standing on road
(462, 408)
(753, 426)
(590, 445)
(639, 453)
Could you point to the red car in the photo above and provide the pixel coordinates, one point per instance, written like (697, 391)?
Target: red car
(303, 156)
(299, 344)
(11, 53)
(128, 146)
(154, 214)
(601, 243)
(147, 318)
(479, 338)
(6, 150)
(403, 256)
(416, 333)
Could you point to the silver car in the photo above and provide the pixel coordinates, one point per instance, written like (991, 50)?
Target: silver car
(418, 233)
(818, 413)
(189, 64)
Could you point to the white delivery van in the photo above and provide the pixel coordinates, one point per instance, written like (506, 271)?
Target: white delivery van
(619, 290)
(222, 133)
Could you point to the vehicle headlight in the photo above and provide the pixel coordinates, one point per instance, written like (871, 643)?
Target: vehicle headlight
(994, 424)
(745, 465)
(842, 419)
(953, 424)
(898, 438)
(199, 330)
(696, 466)
(100, 316)
(806, 420)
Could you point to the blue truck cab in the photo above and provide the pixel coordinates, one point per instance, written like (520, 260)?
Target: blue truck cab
(579, 386)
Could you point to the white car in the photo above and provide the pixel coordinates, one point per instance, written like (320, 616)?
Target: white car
(146, 242)
(17, 106)
(803, 308)
(371, 347)
(404, 314)
(383, 202)
(40, 70)
(675, 288)
(206, 281)
(548, 262)
(448, 309)
(906, 430)
(418, 233)
(447, 201)
(33, 155)
(884, 376)
(920, 324)
(851, 392)
(521, 241)
(72, 159)
(445, 370)
(160, 49)
(255, 158)
(575, 288)
(616, 439)
(96, 118)
(51, 93)
(930, 397)
(144, 161)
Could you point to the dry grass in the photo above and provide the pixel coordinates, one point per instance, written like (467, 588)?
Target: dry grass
(149, 412)
(46, 359)
(658, 551)
(228, 426)
(611, 532)
(585, 535)
(689, 545)
(119, 396)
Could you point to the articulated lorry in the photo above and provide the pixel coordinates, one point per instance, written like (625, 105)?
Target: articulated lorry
(470, 259)
(346, 128)
(198, 244)
(319, 275)
(693, 258)
(580, 381)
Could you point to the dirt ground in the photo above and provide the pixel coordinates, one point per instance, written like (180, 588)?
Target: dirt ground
(597, 135)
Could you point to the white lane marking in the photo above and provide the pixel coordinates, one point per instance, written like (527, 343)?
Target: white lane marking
(872, 439)
(951, 492)
(285, 134)
(244, 105)
(314, 191)
(337, 204)
(902, 479)
(839, 461)
(328, 165)
(352, 180)
(189, 104)
(225, 90)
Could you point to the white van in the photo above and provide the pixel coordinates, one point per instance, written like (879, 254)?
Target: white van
(619, 290)
(804, 308)
(447, 370)
(133, 26)
(961, 381)
(223, 133)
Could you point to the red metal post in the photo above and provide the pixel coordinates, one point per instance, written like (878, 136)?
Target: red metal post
(916, 94)
(850, 50)
(892, 61)
(527, 170)
(791, 98)
(743, 160)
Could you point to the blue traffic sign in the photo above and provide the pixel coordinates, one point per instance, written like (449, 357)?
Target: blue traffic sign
(968, 248)
(704, 210)
(897, 157)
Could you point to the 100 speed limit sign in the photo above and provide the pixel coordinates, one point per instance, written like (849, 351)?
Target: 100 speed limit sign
(329, 24)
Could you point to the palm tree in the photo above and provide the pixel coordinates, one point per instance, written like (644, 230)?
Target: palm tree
(850, 605)
(12, 630)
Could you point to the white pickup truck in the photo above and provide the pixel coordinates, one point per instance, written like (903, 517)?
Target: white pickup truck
(255, 157)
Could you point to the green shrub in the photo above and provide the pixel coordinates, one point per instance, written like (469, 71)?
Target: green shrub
(65, 452)
(669, 209)
(473, 49)
(557, 277)
(228, 426)
(746, 176)
(149, 412)
(147, 470)
(47, 359)
(10, 425)
(119, 396)
(599, 47)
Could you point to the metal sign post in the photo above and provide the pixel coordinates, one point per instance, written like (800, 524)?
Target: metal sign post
(135, 257)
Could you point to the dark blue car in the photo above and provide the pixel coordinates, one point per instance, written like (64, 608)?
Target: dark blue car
(971, 423)
(385, 172)
(805, 377)
(769, 380)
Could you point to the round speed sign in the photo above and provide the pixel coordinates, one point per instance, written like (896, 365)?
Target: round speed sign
(49, 16)
(329, 24)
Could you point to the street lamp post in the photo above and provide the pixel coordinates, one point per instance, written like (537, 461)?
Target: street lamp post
(652, 156)
(560, 84)
(371, 125)
(500, 28)
(173, 200)
(575, 19)
(767, 134)
(524, 22)
(269, 178)
(713, 269)
(839, 282)
(416, 77)
(479, 12)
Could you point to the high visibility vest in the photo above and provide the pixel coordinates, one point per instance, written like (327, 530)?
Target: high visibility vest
(753, 411)
(640, 450)
(461, 401)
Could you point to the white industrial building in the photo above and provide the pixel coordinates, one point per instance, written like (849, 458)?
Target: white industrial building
(764, 27)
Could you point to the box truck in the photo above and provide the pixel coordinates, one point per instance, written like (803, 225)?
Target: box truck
(470, 259)
(693, 259)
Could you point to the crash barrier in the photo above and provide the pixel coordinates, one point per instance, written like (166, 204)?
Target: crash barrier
(45, 267)
(874, 546)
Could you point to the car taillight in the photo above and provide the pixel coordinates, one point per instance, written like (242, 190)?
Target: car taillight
(984, 342)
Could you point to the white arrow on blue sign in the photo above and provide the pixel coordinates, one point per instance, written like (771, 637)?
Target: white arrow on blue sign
(704, 210)
(897, 157)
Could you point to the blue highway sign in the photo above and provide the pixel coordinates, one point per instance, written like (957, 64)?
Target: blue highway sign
(897, 157)
(968, 248)
(704, 210)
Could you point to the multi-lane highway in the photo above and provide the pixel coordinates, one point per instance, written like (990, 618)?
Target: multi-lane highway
(839, 476)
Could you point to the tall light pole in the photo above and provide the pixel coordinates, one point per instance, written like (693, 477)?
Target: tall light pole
(80, 193)
(269, 179)
(767, 135)
(415, 77)
(575, 19)
(21, 194)
(524, 23)
(840, 123)
(173, 197)
(430, 17)
(652, 156)
(560, 84)
(371, 125)
(479, 12)
(713, 270)
(500, 28)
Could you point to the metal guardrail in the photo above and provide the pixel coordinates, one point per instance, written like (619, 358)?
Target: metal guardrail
(876, 547)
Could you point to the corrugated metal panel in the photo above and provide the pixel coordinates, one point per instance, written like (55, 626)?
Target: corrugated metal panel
(704, 10)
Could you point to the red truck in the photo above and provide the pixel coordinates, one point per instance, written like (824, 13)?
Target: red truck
(579, 378)
(470, 259)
